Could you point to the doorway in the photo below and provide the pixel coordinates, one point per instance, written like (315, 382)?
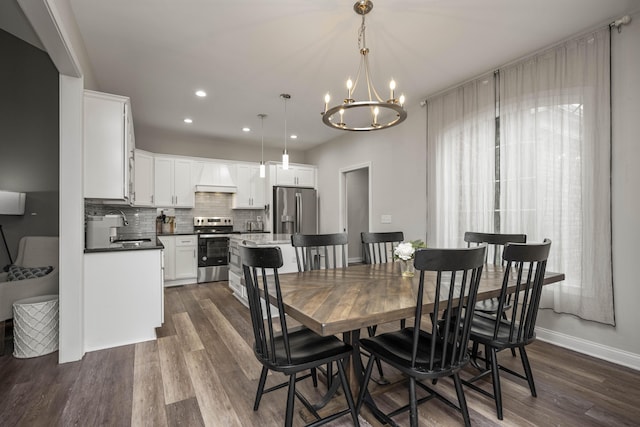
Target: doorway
(355, 186)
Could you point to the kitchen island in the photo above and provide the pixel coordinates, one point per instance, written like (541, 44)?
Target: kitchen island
(236, 279)
(123, 294)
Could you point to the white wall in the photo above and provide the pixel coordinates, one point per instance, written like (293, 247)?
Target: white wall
(398, 156)
(398, 174)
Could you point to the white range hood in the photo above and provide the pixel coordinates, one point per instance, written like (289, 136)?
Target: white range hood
(215, 177)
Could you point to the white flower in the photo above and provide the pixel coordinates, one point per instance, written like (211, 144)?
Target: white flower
(404, 251)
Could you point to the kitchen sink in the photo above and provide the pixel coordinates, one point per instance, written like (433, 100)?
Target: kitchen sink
(129, 243)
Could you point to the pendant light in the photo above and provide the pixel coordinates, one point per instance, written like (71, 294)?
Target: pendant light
(263, 169)
(285, 154)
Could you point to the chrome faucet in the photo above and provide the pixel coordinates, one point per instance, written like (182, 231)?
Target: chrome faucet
(124, 217)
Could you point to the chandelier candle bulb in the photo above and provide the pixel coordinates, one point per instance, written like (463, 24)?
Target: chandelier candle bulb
(392, 86)
(349, 87)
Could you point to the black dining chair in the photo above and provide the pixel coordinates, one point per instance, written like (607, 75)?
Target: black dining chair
(495, 246)
(378, 247)
(440, 351)
(525, 265)
(320, 251)
(287, 352)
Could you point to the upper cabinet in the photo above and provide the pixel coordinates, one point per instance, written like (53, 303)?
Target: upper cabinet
(172, 183)
(251, 187)
(143, 182)
(108, 147)
(214, 176)
(296, 175)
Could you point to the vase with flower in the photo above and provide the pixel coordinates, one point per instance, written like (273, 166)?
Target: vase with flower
(405, 252)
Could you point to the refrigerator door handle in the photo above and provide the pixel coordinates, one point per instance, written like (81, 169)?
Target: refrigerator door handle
(298, 212)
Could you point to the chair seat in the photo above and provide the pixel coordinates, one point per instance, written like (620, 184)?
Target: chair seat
(306, 347)
(483, 327)
(395, 348)
(490, 305)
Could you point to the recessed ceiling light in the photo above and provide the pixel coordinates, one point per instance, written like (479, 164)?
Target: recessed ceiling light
(188, 120)
(201, 93)
(294, 137)
(246, 129)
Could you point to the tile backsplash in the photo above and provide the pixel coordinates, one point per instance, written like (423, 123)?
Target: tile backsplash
(142, 220)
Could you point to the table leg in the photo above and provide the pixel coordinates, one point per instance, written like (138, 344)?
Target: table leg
(354, 366)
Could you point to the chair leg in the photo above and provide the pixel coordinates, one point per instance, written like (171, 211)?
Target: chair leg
(263, 379)
(314, 377)
(461, 400)
(329, 374)
(527, 371)
(413, 405)
(347, 393)
(495, 374)
(291, 397)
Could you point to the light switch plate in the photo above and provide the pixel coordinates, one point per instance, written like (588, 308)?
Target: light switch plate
(385, 219)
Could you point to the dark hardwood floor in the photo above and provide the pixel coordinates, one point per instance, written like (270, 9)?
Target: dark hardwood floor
(201, 371)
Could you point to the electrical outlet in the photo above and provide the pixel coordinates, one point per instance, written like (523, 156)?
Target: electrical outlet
(385, 219)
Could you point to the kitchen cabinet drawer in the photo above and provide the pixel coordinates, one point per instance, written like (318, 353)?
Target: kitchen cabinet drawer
(186, 240)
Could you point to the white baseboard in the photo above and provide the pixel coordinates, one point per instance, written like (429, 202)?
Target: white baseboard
(590, 348)
(355, 260)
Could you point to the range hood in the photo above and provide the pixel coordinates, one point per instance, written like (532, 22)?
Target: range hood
(216, 177)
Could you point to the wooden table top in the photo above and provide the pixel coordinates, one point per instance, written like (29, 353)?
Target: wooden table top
(340, 300)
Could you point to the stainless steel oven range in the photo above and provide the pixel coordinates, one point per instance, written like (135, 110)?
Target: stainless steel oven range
(213, 247)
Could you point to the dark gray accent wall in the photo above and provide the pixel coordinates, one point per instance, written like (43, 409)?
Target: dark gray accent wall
(29, 139)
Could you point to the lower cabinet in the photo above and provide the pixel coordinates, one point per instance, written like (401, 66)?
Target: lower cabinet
(123, 297)
(180, 259)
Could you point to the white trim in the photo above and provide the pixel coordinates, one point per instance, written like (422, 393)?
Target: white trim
(342, 191)
(590, 348)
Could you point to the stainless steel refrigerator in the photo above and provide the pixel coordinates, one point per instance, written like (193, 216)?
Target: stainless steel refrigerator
(295, 210)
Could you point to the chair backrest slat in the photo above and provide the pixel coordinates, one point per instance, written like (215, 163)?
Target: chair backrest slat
(378, 247)
(457, 277)
(319, 251)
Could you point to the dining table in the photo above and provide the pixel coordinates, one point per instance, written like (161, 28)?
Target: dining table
(345, 300)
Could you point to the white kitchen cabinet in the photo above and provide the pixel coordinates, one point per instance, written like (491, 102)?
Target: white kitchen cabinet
(297, 176)
(108, 147)
(250, 189)
(180, 259)
(214, 176)
(123, 297)
(172, 182)
(143, 182)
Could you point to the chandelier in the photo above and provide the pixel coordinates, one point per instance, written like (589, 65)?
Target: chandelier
(371, 114)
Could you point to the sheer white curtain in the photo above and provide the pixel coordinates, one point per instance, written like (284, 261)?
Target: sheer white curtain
(555, 168)
(460, 162)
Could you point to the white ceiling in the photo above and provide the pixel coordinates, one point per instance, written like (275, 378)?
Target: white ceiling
(245, 53)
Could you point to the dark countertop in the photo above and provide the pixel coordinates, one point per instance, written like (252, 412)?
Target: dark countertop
(153, 243)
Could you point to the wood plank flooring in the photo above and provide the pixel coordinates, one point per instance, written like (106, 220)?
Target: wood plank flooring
(201, 372)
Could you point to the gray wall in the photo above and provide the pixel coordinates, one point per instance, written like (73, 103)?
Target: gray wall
(28, 139)
(398, 157)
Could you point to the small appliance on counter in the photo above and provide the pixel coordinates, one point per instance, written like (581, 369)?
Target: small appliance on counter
(102, 229)
(255, 226)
